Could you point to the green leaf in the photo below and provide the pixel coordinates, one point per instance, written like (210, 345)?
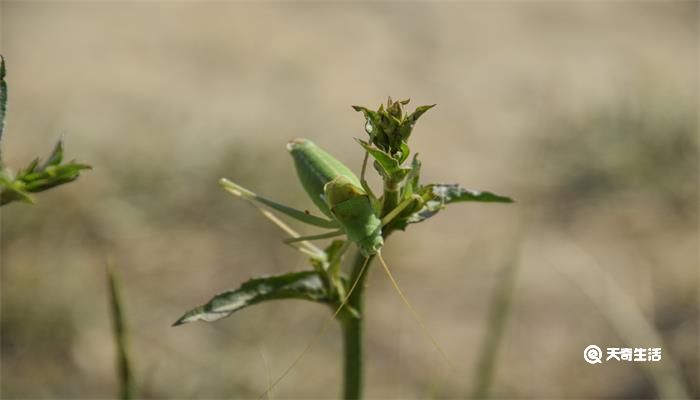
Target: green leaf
(394, 109)
(369, 114)
(52, 176)
(454, 193)
(56, 155)
(389, 166)
(412, 179)
(305, 285)
(29, 168)
(405, 152)
(419, 111)
(439, 195)
(12, 190)
(372, 124)
(410, 121)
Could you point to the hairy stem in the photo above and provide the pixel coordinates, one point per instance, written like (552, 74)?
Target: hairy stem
(352, 333)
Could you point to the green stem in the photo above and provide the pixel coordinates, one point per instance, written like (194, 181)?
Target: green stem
(352, 327)
(352, 333)
(391, 196)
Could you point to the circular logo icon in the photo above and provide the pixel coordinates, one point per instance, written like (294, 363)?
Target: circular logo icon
(593, 354)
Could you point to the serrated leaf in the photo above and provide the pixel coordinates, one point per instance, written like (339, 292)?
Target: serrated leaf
(305, 285)
(454, 193)
(439, 195)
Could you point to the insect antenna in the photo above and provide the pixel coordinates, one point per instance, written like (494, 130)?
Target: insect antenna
(303, 246)
(321, 331)
(413, 311)
(268, 393)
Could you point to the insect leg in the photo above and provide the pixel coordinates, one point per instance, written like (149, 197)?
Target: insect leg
(397, 210)
(363, 181)
(315, 237)
(304, 246)
(302, 216)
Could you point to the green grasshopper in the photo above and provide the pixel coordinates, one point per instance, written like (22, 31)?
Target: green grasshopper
(346, 200)
(337, 193)
(350, 206)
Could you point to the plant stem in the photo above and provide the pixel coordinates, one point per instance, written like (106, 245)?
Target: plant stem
(352, 333)
(391, 197)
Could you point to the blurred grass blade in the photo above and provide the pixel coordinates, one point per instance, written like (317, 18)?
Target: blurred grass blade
(305, 285)
(124, 372)
(498, 319)
(3, 100)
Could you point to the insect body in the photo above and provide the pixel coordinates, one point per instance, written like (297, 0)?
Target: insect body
(338, 193)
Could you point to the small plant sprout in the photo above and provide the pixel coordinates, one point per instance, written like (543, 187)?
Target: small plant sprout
(349, 208)
(36, 177)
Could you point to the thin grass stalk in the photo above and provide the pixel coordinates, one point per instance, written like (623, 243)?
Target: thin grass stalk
(499, 313)
(123, 359)
(625, 316)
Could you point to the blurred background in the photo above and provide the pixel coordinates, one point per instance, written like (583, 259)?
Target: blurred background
(585, 112)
